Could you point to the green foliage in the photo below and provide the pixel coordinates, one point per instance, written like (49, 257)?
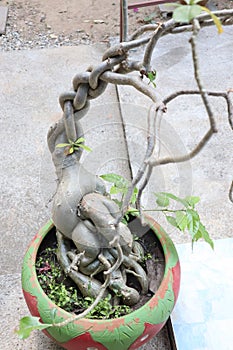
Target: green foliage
(120, 185)
(105, 309)
(53, 282)
(186, 13)
(146, 257)
(28, 324)
(73, 146)
(152, 76)
(186, 218)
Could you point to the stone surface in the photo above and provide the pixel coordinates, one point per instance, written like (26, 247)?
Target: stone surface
(3, 18)
(203, 316)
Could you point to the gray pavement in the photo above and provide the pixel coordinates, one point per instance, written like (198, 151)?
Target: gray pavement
(30, 83)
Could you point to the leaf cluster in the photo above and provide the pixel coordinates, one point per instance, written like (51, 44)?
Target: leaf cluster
(73, 146)
(186, 218)
(54, 282)
(120, 186)
(104, 309)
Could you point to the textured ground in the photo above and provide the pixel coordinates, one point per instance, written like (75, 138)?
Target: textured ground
(40, 23)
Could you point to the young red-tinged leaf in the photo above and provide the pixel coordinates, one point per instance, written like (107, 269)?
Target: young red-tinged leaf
(69, 150)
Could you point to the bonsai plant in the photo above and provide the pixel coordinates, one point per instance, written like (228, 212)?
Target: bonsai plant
(93, 231)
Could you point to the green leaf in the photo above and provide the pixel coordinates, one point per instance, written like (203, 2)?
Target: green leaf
(132, 211)
(28, 324)
(175, 198)
(162, 199)
(152, 76)
(79, 140)
(192, 200)
(118, 180)
(114, 190)
(60, 145)
(71, 150)
(134, 196)
(181, 220)
(77, 146)
(215, 19)
(185, 13)
(172, 221)
(196, 237)
(193, 221)
(205, 235)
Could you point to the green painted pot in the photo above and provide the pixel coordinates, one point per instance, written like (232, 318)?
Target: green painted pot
(128, 332)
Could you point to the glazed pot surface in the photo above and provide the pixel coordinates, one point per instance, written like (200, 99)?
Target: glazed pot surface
(127, 332)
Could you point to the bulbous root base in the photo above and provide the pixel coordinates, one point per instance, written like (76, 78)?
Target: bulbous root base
(90, 274)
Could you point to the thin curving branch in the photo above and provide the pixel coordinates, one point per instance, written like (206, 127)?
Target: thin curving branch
(205, 99)
(231, 192)
(185, 157)
(204, 95)
(136, 82)
(154, 117)
(225, 95)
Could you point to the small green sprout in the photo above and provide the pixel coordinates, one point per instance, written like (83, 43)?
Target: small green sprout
(73, 146)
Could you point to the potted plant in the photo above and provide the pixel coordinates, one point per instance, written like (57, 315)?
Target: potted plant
(101, 241)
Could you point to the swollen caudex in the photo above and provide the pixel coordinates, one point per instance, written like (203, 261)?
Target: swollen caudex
(84, 215)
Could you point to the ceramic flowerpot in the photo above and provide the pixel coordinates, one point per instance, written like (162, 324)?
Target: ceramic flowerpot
(127, 332)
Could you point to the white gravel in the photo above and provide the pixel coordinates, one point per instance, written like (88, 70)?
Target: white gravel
(33, 35)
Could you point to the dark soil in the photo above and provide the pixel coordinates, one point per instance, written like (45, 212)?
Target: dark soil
(154, 265)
